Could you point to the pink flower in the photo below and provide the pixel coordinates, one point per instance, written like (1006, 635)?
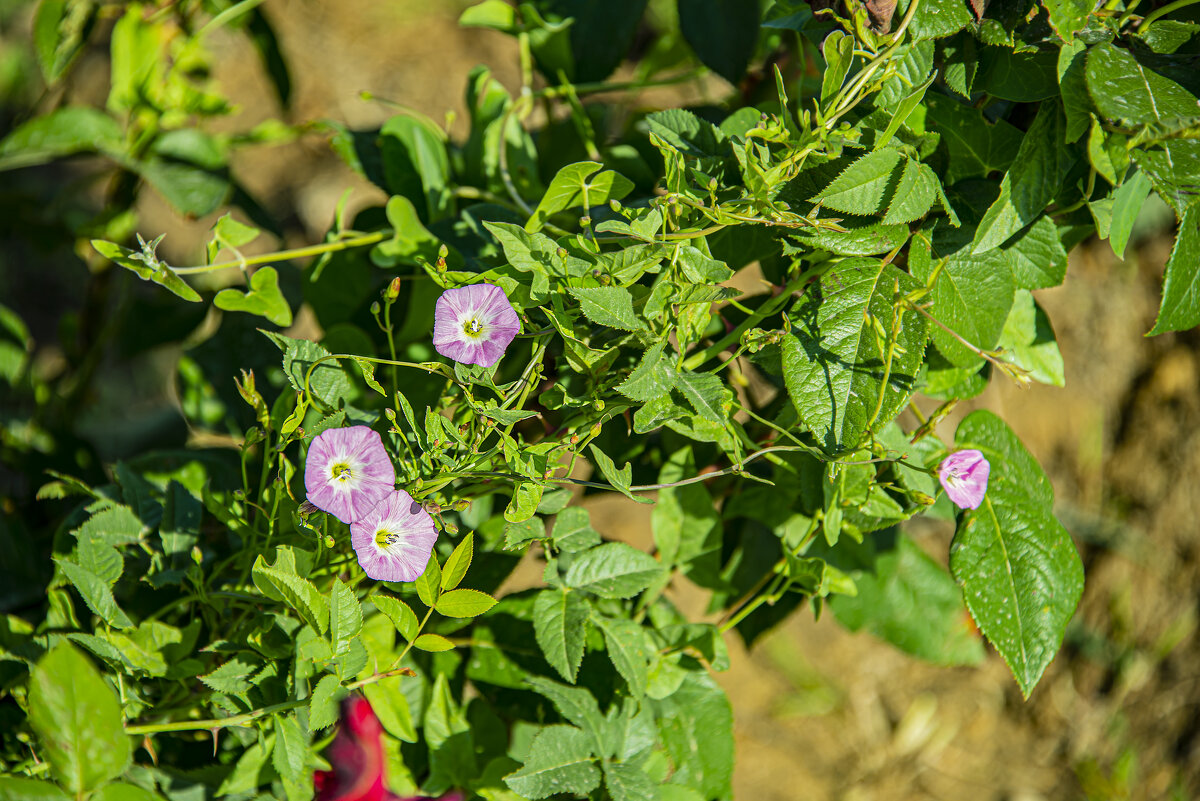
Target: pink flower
(356, 760)
(393, 541)
(964, 476)
(347, 472)
(474, 324)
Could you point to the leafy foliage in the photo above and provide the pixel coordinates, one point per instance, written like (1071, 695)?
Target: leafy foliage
(897, 212)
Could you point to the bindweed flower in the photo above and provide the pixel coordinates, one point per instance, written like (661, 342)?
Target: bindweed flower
(393, 541)
(356, 760)
(347, 472)
(474, 324)
(964, 476)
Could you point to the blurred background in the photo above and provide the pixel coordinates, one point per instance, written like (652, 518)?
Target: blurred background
(820, 713)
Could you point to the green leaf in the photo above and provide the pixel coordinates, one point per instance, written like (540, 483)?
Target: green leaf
(524, 502)
(345, 616)
(229, 233)
(620, 479)
(628, 782)
(1180, 309)
(560, 625)
(838, 49)
(833, 364)
(60, 31)
(245, 775)
(523, 531)
(77, 718)
(576, 704)
(903, 111)
(1068, 17)
(147, 266)
(1038, 258)
(263, 299)
(401, 615)
(613, 570)
(1072, 84)
(120, 791)
(1037, 173)
(495, 14)
(74, 129)
(935, 19)
(1125, 90)
(611, 306)
(723, 33)
(573, 531)
(707, 394)
(432, 643)
(560, 761)
(863, 237)
(654, 375)
(914, 195)
(328, 382)
(1028, 341)
(415, 164)
(235, 676)
(1019, 570)
(17, 788)
(976, 147)
(429, 583)
(909, 600)
(299, 593)
(686, 523)
(863, 187)
(291, 748)
(464, 603)
(323, 706)
(578, 185)
(972, 296)
(629, 650)
(458, 562)
(391, 705)
(95, 592)
(411, 240)
(696, 725)
(1127, 203)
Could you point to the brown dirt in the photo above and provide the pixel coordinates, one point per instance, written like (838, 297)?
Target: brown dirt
(821, 713)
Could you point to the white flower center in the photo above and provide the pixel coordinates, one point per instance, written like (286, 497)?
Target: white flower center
(472, 327)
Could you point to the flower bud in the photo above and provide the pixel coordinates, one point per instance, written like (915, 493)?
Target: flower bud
(598, 405)
(375, 307)
(443, 251)
(451, 528)
(329, 541)
(197, 556)
(393, 290)
(307, 508)
(595, 431)
(922, 498)
(462, 505)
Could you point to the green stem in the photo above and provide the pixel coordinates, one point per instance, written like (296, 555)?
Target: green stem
(1159, 13)
(294, 253)
(766, 310)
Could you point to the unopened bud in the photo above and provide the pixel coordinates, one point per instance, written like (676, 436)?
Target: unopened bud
(614, 204)
(393, 290)
(595, 431)
(598, 405)
(549, 474)
(923, 499)
(197, 556)
(375, 307)
(574, 440)
(307, 508)
(462, 505)
(562, 253)
(451, 528)
(443, 251)
(585, 221)
(329, 541)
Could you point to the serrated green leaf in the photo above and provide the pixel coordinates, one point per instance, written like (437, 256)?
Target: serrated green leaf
(1068, 17)
(863, 187)
(903, 111)
(613, 570)
(576, 704)
(560, 625)
(464, 603)
(628, 649)
(578, 185)
(1036, 175)
(934, 19)
(654, 375)
(234, 676)
(833, 366)
(524, 502)
(1038, 258)
(391, 705)
(707, 394)
(1180, 309)
(432, 643)
(1021, 575)
(74, 129)
(1125, 90)
(299, 593)
(328, 382)
(560, 761)
(18, 788)
(458, 562)
(345, 616)
(323, 706)
(245, 775)
(291, 748)
(695, 723)
(628, 782)
(976, 147)
(95, 593)
(429, 583)
(914, 195)
(122, 791)
(77, 718)
(573, 531)
(521, 532)
(610, 306)
(401, 615)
